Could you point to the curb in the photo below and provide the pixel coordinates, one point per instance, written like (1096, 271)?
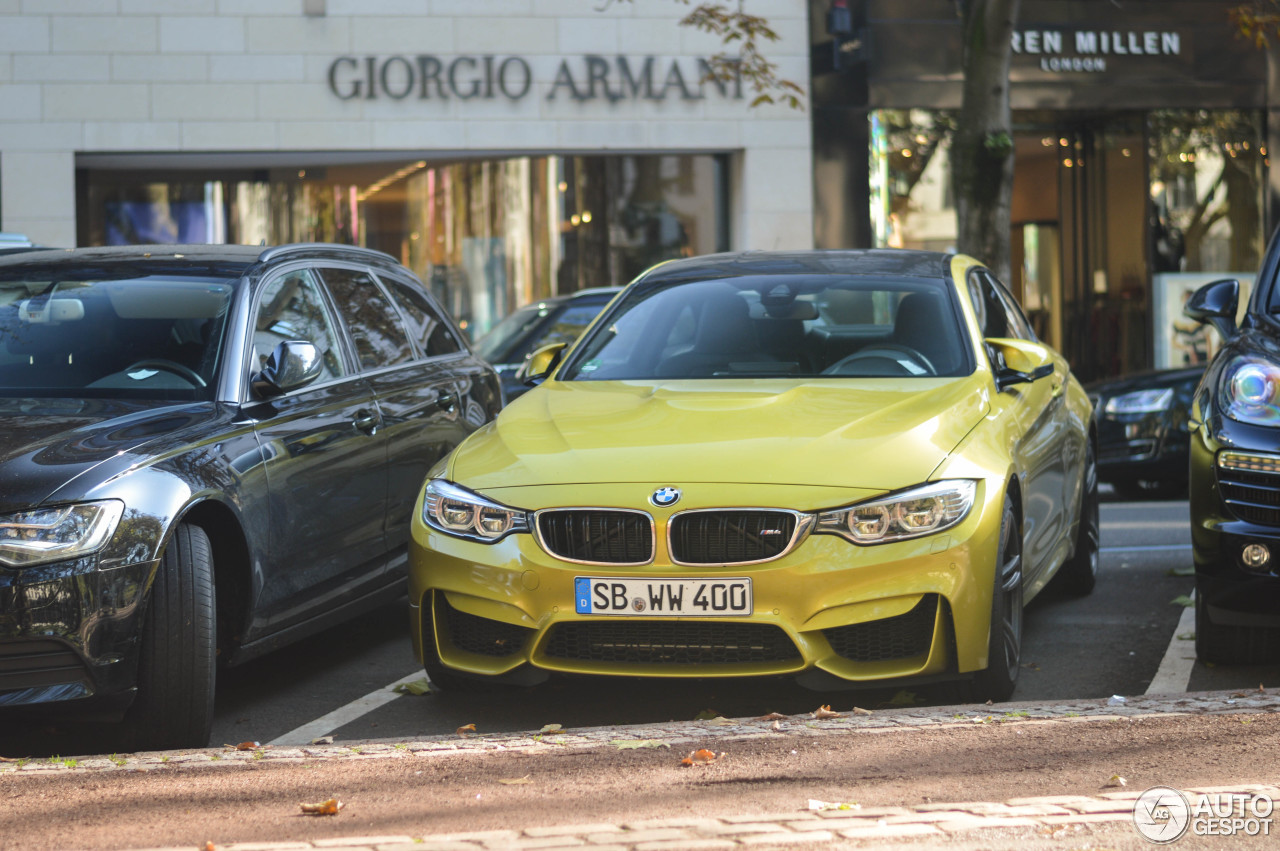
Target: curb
(671, 734)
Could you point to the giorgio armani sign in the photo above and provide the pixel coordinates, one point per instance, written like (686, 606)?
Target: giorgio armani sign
(584, 78)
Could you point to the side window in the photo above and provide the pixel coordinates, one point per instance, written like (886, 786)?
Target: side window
(993, 316)
(375, 327)
(434, 335)
(290, 307)
(1018, 321)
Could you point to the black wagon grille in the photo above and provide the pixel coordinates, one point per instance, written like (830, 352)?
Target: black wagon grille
(1251, 495)
(32, 664)
(899, 637)
(730, 536)
(597, 536)
(670, 643)
(481, 635)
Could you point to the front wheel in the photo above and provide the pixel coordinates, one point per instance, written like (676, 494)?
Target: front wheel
(1004, 648)
(174, 705)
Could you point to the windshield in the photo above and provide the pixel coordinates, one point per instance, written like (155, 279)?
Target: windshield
(807, 326)
(155, 337)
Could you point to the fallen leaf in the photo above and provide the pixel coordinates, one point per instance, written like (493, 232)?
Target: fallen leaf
(721, 721)
(858, 710)
(706, 715)
(1189, 570)
(466, 730)
(636, 744)
(773, 716)
(1116, 780)
(244, 746)
(551, 728)
(1260, 688)
(324, 808)
(701, 757)
(824, 711)
(515, 781)
(1031, 666)
(209, 846)
(830, 805)
(903, 698)
(777, 727)
(323, 740)
(416, 687)
(1183, 601)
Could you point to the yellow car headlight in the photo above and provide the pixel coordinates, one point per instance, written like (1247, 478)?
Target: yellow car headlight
(457, 511)
(42, 535)
(911, 513)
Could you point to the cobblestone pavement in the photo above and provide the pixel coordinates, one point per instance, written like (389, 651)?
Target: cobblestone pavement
(825, 824)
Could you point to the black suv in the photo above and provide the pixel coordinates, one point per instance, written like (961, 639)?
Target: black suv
(207, 451)
(1235, 473)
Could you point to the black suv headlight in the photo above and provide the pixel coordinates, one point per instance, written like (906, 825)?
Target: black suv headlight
(457, 511)
(42, 535)
(1249, 391)
(912, 513)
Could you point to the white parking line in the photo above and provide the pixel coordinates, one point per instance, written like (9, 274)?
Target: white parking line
(1144, 549)
(326, 724)
(1174, 672)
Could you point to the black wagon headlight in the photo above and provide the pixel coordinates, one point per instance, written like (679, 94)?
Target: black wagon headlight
(42, 535)
(1250, 391)
(912, 513)
(1140, 402)
(457, 511)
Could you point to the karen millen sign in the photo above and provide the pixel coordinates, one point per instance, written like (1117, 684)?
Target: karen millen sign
(1089, 50)
(585, 78)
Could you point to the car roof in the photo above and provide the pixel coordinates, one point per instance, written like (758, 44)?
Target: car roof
(236, 258)
(894, 262)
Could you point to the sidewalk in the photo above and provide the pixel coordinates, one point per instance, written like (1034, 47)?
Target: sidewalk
(1096, 814)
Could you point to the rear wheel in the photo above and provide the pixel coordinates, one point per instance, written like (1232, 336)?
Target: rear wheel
(174, 705)
(1079, 574)
(1004, 648)
(1232, 644)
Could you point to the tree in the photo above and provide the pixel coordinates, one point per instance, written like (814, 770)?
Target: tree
(1258, 20)
(736, 29)
(982, 145)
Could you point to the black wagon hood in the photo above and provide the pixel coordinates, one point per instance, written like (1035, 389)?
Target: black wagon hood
(47, 443)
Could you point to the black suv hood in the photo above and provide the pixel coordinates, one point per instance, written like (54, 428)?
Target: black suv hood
(47, 443)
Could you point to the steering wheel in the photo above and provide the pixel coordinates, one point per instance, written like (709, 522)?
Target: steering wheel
(184, 372)
(886, 351)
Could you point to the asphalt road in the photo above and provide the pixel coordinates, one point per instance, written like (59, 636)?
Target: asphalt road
(1110, 643)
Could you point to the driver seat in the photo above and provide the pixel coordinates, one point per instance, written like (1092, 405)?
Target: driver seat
(922, 324)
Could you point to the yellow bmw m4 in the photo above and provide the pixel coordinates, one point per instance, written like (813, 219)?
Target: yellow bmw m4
(850, 467)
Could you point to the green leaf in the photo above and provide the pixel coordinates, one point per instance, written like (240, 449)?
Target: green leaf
(903, 698)
(1183, 601)
(417, 687)
(706, 715)
(1181, 571)
(636, 744)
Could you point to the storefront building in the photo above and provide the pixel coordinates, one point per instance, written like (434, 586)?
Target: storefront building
(1141, 139)
(505, 150)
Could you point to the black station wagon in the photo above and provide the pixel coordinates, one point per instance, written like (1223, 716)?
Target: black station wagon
(207, 452)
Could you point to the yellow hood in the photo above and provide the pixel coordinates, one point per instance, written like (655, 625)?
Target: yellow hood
(866, 433)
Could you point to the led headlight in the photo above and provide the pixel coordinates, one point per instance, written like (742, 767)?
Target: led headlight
(908, 514)
(1250, 391)
(1140, 402)
(458, 511)
(54, 534)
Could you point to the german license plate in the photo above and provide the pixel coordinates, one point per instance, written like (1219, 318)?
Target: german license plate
(595, 595)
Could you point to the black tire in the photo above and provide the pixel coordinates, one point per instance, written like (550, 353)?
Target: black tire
(1004, 648)
(174, 705)
(1079, 574)
(448, 680)
(1231, 644)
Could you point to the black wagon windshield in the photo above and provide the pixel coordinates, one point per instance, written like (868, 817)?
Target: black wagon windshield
(153, 337)
(804, 326)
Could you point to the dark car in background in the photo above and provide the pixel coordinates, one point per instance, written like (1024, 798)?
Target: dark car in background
(559, 319)
(1235, 473)
(1144, 431)
(207, 452)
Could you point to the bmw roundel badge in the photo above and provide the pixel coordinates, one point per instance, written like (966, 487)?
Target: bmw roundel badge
(663, 497)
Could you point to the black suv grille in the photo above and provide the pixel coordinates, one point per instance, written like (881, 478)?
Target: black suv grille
(1251, 495)
(730, 537)
(597, 536)
(481, 635)
(32, 664)
(899, 637)
(670, 643)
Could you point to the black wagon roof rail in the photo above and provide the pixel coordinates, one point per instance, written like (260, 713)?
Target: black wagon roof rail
(306, 248)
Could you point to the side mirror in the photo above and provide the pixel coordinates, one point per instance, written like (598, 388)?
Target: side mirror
(1216, 304)
(540, 364)
(1018, 361)
(293, 364)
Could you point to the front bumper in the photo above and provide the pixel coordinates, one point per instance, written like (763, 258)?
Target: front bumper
(1234, 594)
(69, 635)
(917, 608)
